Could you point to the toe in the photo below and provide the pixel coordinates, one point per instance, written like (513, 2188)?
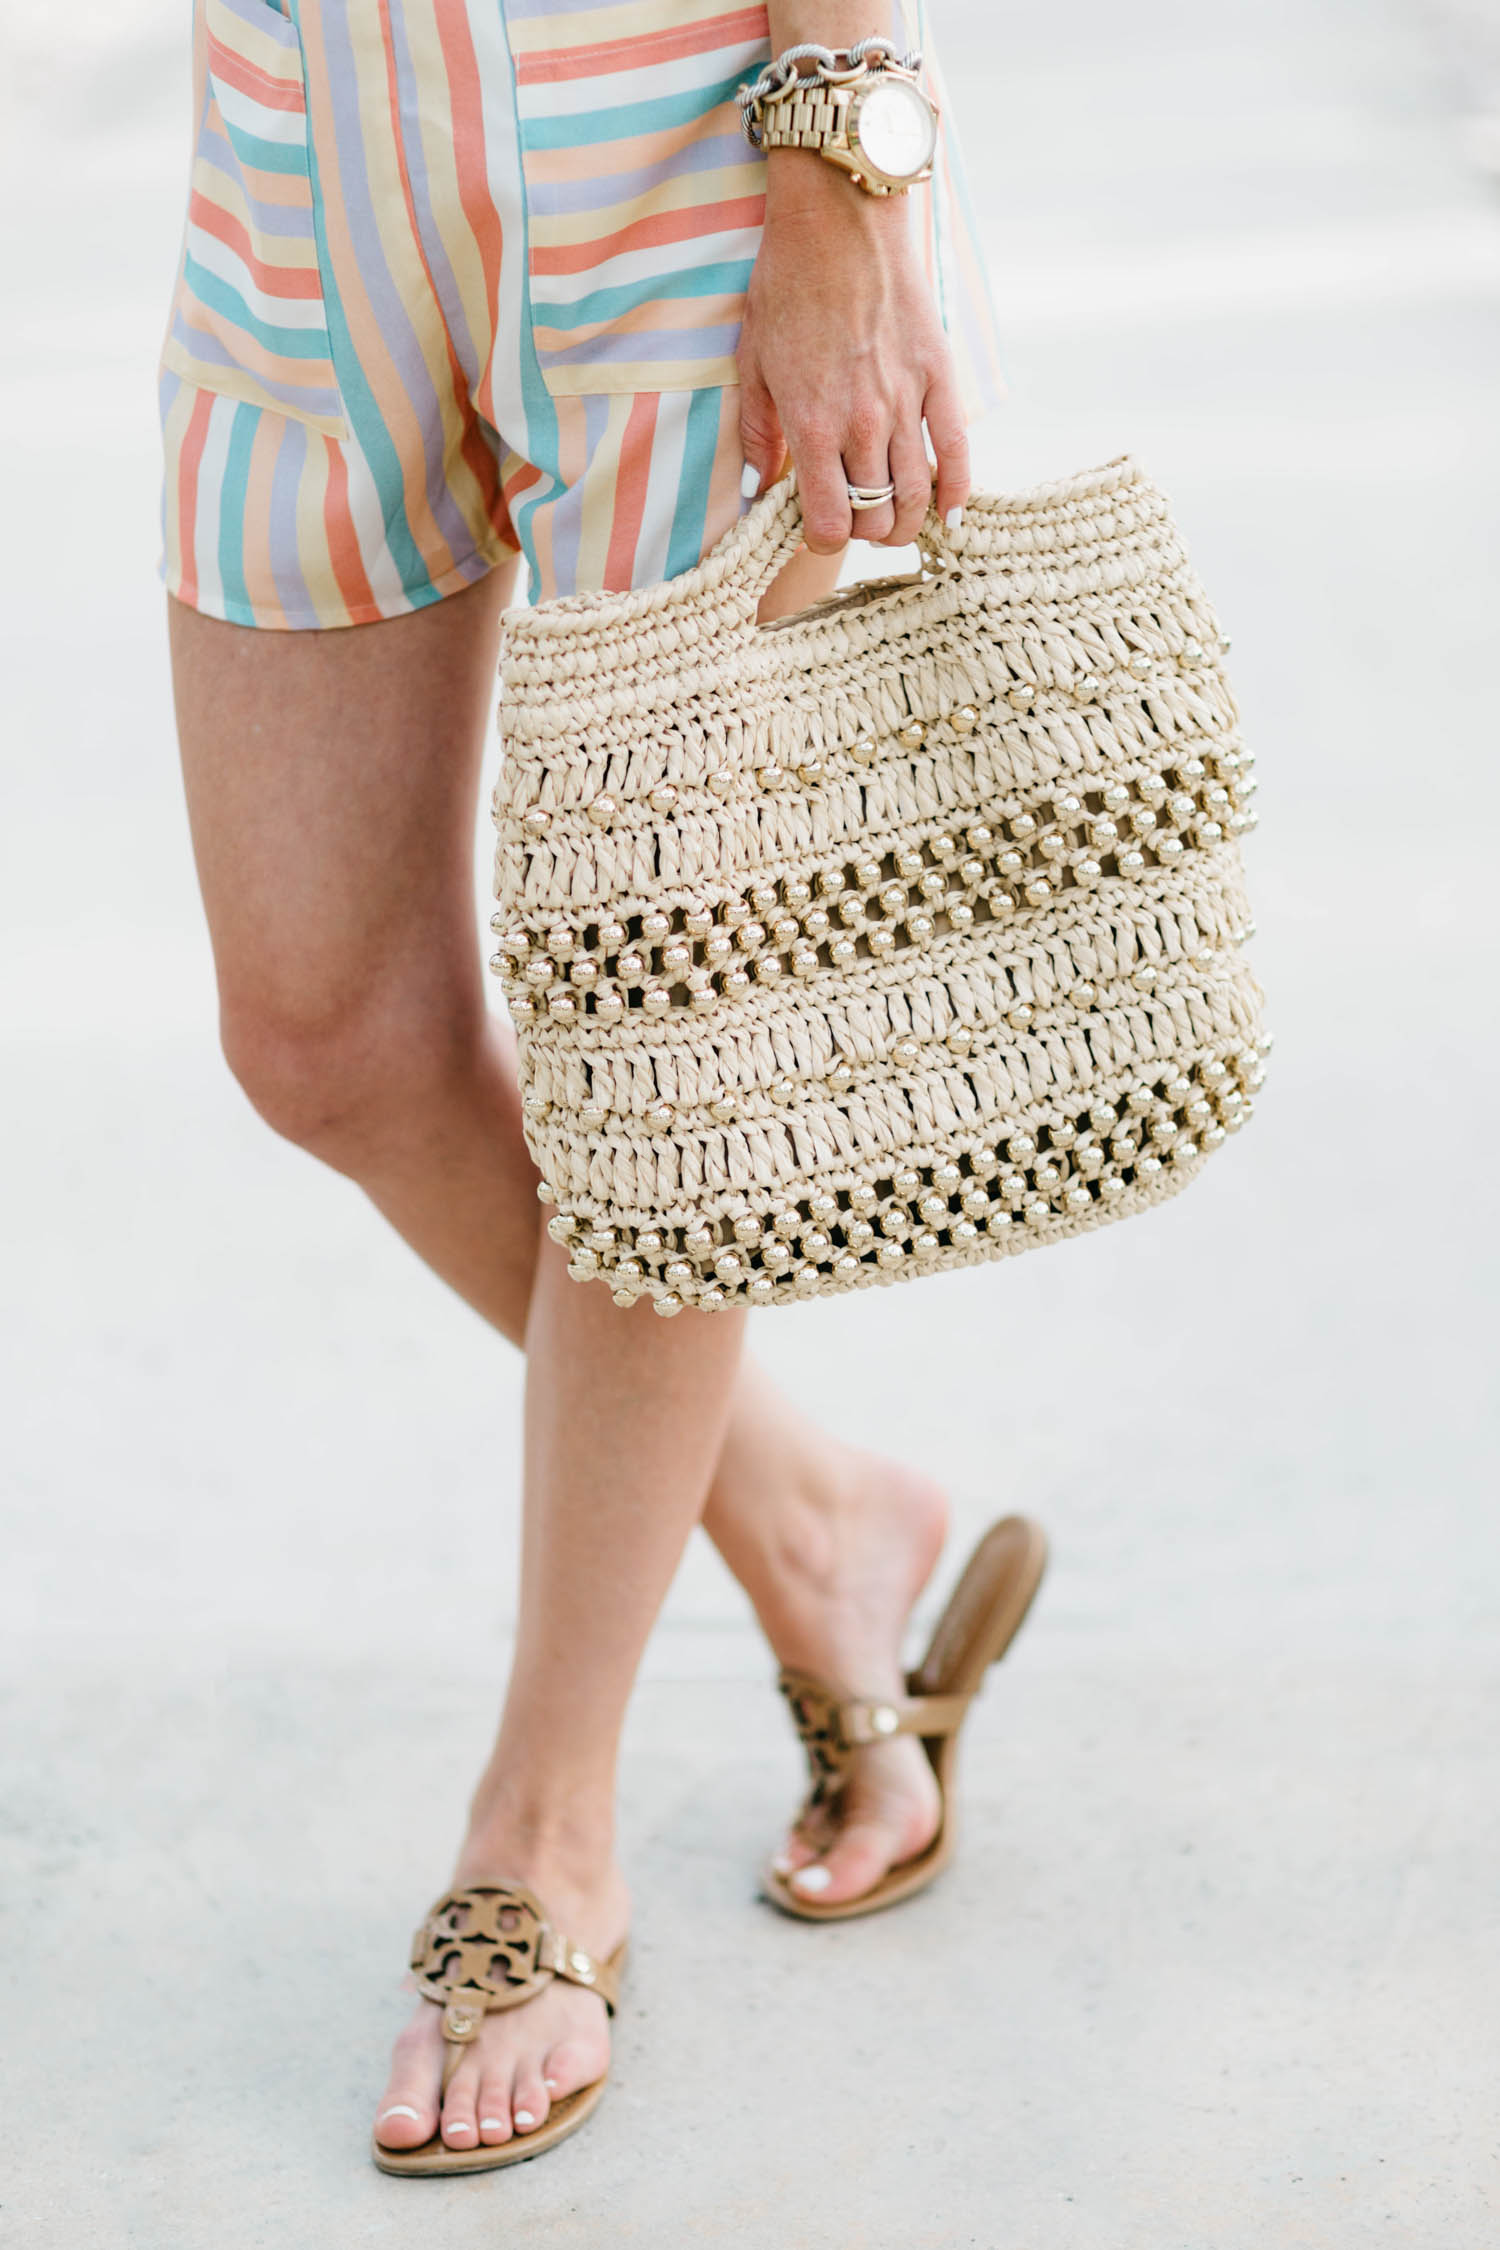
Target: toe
(797, 1851)
(852, 1865)
(460, 2114)
(570, 2065)
(407, 2112)
(532, 2100)
(493, 2109)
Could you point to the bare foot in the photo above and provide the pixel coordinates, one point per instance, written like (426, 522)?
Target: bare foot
(525, 2058)
(834, 1547)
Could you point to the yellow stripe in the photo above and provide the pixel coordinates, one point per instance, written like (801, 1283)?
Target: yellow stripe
(681, 192)
(630, 376)
(174, 432)
(257, 46)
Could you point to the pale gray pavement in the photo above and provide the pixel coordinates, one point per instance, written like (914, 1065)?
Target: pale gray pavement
(1217, 1966)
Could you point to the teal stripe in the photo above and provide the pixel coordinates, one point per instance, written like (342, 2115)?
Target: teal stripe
(699, 448)
(731, 277)
(219, 297)
(266, 156)
(581, 128)
(232, 505)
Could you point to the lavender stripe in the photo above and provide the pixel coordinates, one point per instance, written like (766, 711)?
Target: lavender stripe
(552, 198)
(682, 346)
(292, 589)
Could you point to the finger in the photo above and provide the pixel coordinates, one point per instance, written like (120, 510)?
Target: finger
(826, 521)
(943, 412)
(761, 439)
(913, 479)
(867, 461)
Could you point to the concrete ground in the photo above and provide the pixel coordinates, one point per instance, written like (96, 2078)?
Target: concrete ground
(1217, 1964)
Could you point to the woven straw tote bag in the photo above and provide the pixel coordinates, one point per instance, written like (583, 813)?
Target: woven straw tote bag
(888, 938)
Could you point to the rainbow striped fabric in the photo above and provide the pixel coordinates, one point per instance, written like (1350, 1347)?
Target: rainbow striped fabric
(466, 276)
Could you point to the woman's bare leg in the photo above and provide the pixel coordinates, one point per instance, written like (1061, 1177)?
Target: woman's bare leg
(333, 781)
(625, 1416)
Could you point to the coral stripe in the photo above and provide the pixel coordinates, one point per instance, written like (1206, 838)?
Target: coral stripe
(343, 548)
(275, 280)
(671, 44)
(247, 78)
(642, 234)
(631, 481)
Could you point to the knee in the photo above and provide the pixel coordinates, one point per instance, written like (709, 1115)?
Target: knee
(343, 1078)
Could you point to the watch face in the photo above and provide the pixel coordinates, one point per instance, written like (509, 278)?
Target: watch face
(895, 128)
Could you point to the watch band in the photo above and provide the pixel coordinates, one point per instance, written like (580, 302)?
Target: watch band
(809, 119)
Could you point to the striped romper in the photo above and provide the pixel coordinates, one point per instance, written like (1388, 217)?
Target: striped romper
(463, 277)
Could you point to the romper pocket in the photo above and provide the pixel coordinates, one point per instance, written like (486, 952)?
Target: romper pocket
(248, 317)
(644, 202)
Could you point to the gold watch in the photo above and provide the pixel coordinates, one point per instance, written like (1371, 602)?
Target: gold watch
(863, 110)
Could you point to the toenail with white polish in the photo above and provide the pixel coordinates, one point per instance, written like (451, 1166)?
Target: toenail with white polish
(782, 1864)
(492, 2124)
(550, 2084)
(524, 2117)
(812, 1879)
(458, 2128)
(402, 2109)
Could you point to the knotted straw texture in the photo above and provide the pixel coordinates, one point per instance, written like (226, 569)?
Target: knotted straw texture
(895, 937)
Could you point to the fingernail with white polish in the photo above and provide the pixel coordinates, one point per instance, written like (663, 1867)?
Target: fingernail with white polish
(402, 2109)
(750, 481)
(524, 2117)
(954, 518)
(812, 1879)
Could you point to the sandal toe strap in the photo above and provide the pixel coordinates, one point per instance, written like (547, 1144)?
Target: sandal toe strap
(488, 1946)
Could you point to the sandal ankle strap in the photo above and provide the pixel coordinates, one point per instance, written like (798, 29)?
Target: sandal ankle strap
(488, 1946)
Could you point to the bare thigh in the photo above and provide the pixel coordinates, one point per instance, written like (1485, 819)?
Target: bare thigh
(332, 784)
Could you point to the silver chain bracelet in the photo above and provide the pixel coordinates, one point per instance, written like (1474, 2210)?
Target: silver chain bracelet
(782, 73)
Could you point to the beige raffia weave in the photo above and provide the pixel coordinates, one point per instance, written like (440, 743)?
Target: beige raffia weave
(899, 936)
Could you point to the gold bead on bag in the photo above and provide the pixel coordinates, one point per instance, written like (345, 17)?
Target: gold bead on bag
(891, 937)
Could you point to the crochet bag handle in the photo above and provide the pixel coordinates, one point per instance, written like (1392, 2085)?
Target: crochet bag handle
(772, 534)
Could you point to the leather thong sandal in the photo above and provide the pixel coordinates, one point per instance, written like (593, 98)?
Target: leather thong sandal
(487, 1946)
(983, 1616)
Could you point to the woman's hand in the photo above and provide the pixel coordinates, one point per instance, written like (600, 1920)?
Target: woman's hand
(842, 358)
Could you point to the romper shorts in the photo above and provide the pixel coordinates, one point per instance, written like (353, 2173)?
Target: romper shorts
(465, 277)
